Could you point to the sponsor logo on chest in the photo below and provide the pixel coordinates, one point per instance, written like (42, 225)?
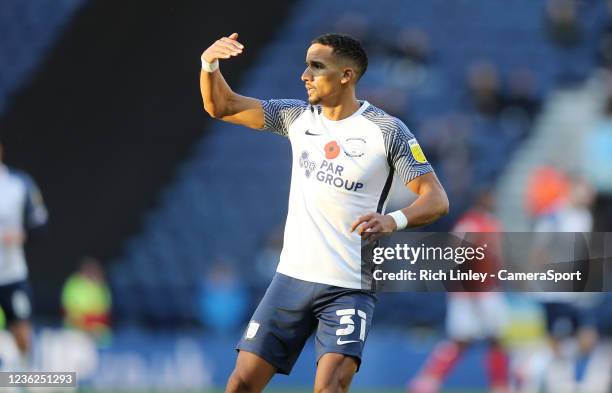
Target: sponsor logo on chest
(327, 172)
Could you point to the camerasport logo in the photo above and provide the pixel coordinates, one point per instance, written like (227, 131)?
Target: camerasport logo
(332, 150)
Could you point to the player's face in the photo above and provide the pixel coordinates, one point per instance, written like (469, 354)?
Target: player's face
(323, 74)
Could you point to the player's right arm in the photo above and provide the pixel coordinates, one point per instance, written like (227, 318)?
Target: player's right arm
(219, 99)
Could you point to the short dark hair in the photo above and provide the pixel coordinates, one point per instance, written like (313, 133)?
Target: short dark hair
(347, 47)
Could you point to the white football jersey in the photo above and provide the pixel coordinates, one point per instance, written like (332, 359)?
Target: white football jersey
(21, 207)
(341, 170)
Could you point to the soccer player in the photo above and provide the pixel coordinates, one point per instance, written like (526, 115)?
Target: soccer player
(345, 153)
(22, 210)
(479, 315)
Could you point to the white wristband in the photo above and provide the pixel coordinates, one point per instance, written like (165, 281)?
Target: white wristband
(210, 67)
(400, 219)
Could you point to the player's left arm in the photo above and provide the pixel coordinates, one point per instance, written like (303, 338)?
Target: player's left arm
(430, 205)
(406, 157)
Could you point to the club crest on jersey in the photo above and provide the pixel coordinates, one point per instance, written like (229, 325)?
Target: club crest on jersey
(354, 147)
(417, 153)
(251, 331)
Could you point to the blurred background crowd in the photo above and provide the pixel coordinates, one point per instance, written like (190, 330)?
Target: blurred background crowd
(512, 104)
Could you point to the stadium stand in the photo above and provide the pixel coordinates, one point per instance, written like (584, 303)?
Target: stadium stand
(92, 122)
(492, 89)
(226, 199)
(27, 31)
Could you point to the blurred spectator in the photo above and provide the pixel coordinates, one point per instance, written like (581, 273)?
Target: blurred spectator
(484, 88)
(391, 79)
(597, 166)
(604, 48)
(571, 212)
(408, 60)
(390, 99)
(414, 45)
(598, 374)
(269, 254)
(604, 43)
(222, 300)
(447, 142)
(357, 25)
(86, 300)
(521, 104)
(562, 22)
(547, 188)
(569, 315)
(400, 71)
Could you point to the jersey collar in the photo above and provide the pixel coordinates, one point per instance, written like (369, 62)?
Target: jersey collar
(359, 111)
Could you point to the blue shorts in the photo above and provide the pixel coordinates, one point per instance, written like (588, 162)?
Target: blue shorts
(292, 309)
(16, 301)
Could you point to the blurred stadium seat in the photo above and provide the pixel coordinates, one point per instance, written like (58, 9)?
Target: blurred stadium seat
(27, 30)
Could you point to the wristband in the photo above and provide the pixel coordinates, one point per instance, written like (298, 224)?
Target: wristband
(210, 67)
(400, 219)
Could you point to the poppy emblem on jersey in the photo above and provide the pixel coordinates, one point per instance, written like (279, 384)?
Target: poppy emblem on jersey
(354, 147)
(332, 150)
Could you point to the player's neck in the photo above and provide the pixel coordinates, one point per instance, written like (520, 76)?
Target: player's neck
(342, 110)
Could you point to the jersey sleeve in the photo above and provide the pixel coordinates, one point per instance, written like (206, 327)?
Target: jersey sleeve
(36, 214)
(404, 153)
(280, 114)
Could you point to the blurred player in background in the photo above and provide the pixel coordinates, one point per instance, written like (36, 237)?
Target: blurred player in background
(345, 152)
(86, 300)
(570, 319)
(22, 213)
(473, 316)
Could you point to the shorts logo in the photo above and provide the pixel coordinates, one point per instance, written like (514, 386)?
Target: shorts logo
(252, 330)
(346, 319)
(341, 342)
(354, 147)
(417, 153)
(332, 150)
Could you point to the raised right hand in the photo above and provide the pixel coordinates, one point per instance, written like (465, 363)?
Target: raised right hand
(223, 48)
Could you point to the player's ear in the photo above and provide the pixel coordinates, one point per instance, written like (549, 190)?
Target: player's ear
(348, 74)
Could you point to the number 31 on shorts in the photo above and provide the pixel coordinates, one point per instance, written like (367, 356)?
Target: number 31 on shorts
(346, 319)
